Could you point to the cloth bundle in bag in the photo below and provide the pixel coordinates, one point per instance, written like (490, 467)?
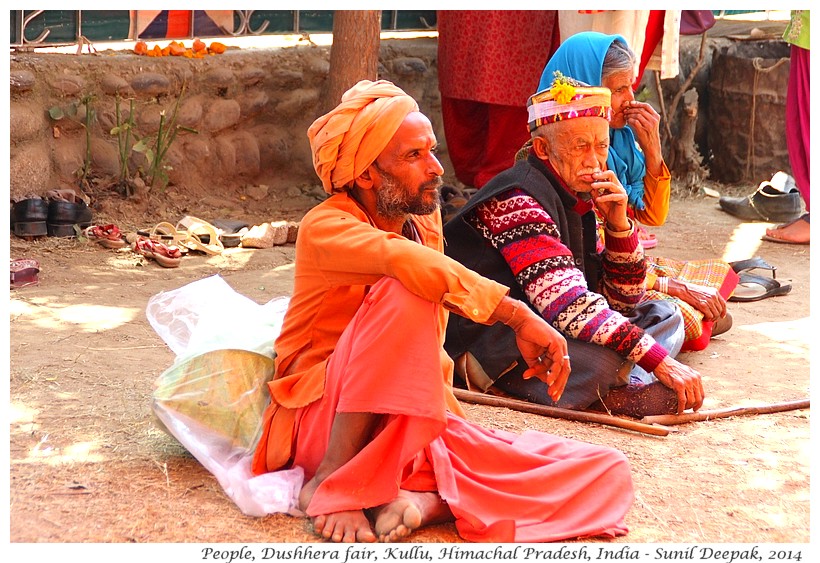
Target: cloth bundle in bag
(214, 395)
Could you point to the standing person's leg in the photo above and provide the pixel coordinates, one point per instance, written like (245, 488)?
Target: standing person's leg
(465, 132)
(506, 133)
(798, 98)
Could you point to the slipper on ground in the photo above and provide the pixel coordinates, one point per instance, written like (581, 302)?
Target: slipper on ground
(769, 238)
(203, 236)
(752, 287)
(108, 236)
(752, 264)
(164, 255)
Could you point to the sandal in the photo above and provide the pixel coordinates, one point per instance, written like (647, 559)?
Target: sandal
(108, 236)
(752, 264)
(164, 255)
(752, 287)
(202, 236)
(648, 240)
(769, 236)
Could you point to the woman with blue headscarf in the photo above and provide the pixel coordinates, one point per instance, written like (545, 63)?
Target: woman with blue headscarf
(699, 287)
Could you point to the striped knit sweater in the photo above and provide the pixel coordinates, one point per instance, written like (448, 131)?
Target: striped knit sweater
(528, 239)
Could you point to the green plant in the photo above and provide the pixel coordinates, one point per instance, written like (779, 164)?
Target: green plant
(124, 131)
(155, 148)
(56, 113)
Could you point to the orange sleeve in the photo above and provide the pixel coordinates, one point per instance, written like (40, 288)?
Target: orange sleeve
(657, 191)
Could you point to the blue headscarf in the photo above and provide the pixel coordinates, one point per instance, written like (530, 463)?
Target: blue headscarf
(581, 56)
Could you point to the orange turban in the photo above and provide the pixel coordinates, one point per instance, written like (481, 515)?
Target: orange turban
(349, 138)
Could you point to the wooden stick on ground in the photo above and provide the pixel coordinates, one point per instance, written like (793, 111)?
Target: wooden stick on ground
(557, 412)
(669, 419)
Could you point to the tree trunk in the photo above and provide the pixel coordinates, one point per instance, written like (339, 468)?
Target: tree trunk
(354, 54)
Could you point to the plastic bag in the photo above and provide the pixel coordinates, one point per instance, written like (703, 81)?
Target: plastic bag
(213, 397)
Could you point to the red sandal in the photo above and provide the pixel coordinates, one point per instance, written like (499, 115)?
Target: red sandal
(164, 255)
(108, 236)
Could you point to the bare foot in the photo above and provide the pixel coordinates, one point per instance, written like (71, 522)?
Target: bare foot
(796, 232)
(348, 526)
(341, 527)
(407, 512)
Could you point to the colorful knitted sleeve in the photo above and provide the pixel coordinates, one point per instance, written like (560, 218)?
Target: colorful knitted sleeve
(528, 239)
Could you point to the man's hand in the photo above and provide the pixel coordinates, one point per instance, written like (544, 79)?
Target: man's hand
(611, 200)
(705, 299)
(684, 381)
(545, 351)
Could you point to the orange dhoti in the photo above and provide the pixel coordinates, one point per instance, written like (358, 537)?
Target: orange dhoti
(500, 486)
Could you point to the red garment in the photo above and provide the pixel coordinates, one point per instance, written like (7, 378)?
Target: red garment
(489, 64)
(482, 139)
(494, 56)
(654, 34)
(798, 102)
(500, 486)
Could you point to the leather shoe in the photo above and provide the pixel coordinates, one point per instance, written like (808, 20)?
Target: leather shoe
(774, 201)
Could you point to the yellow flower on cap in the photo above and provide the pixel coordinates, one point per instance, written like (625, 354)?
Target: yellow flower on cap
(562, 90)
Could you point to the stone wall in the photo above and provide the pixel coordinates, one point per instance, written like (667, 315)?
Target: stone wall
(250, 109)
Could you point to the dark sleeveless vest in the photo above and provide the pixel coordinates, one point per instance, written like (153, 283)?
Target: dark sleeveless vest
(494, 346)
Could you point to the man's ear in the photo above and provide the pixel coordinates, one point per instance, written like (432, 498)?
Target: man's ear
(365, 179)
(540, 147)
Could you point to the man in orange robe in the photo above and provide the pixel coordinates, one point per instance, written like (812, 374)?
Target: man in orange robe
(362, 396)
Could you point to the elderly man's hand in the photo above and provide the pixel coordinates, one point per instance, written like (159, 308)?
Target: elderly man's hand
(684, 381)
(705, 299)
(611, 200)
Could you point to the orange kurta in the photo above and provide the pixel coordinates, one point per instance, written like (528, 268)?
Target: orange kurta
(340, 255)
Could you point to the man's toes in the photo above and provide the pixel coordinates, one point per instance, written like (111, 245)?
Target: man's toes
(365, 535)
(319, 524)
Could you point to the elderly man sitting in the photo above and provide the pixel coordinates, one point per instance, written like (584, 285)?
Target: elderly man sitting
(362, 396)
(533, 229)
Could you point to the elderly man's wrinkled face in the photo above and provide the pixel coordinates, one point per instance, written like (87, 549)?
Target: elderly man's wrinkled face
(620, 84)
(577, 148)
(409, 174)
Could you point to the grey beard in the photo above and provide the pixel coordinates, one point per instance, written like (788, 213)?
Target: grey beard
(392, 202)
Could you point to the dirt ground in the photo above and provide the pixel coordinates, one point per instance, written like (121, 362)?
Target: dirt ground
(88, 465)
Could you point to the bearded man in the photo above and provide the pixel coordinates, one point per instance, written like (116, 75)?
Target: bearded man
(362, 396)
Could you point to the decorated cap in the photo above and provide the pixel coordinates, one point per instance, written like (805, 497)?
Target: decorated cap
(567, 98)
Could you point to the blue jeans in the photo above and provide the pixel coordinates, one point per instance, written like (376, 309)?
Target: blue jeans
(597, 369)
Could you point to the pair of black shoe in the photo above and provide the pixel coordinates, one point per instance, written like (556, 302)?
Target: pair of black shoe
(775, 201)
(36, 217)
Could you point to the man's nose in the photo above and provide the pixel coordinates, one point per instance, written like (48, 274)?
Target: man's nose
(436, 169)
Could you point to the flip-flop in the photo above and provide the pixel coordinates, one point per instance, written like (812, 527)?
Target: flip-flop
(753, 264)
(752, 287)
(203, 236)
(769, 238)
(650, 240)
